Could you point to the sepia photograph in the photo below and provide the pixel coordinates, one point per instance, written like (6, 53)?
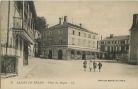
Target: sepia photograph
(68, 44)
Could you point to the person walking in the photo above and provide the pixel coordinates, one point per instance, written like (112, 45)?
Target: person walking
(99, 66)
(94, 66)
(90, 65)
(85, 65)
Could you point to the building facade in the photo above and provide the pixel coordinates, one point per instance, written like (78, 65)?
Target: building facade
(133, 55)
(68, 41)
(17, 34)
(37, 44)
(115, 47)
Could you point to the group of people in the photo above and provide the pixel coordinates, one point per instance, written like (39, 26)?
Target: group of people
(92, 65)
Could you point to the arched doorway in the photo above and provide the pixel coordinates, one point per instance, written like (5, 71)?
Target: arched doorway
(83, 56)
(60, 54)
(50, 54)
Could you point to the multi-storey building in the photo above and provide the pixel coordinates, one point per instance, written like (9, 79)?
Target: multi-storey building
(17, 34)
(37, 43)
(68, 41)
(115, 47)
(133, 57)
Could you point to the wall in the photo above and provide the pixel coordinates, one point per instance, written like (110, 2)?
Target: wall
(82, 41)
(134, 47)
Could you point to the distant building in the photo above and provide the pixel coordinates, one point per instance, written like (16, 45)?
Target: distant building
(37, 43)
(115, 47)
(17, 34)
(68, 41)
(133, 57)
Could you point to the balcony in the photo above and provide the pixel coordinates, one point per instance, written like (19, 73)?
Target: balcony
(23, 29)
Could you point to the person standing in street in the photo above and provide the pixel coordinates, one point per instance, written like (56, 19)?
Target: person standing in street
(99, 66)
(94, 66)
(90, 65)
(85, 65)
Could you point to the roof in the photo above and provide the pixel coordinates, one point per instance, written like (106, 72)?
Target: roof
(117, 37)
(71, 25)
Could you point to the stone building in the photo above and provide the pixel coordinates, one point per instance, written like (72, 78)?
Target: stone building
(68, 41)
(17, 34)
(37, 40)
(115, 47)
(133, 57)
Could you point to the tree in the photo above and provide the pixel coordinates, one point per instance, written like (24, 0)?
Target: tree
(40, 23)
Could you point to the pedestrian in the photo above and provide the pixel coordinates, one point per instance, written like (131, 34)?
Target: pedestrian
(85, 65)
(99, 66)
(94, 66)
(90, 65)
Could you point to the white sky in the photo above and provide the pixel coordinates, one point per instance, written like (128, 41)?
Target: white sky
(103, 17)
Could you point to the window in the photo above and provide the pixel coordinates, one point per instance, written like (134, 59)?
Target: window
(89, 36)
(60, 42)
(72, 52)
(73, 32)
(73, 41)
(60, 32)
(115, 42)
(93, 37)
(78, 53)
(93, 44)
(89, 44)
(79, 33)
(84, 34)
(50, 33)
(78, 41)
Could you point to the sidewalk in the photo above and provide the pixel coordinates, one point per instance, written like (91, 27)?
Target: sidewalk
(28, 68)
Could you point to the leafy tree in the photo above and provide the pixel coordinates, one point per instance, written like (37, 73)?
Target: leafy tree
(40, 23)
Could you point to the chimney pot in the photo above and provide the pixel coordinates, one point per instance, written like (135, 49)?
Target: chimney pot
(60, 20)
(135, 20)
(80, 25)
(65, 18)
(111, 35)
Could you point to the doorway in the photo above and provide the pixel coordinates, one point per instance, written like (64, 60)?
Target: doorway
(50, 54)
(25, 54)
(60, 54)
(83, 56)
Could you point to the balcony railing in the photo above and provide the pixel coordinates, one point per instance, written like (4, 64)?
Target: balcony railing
(19, 24)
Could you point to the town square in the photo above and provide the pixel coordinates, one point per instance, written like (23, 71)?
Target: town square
(69, 44)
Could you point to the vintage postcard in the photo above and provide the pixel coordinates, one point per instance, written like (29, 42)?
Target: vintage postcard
(68, 44)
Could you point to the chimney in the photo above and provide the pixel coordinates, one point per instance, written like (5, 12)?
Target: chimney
(60, 20)
(65, 19)
(111, 35)
(80, 25)
(135, 20)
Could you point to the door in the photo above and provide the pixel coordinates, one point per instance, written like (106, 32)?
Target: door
(60, 54)
(25, 54)
(50, 54)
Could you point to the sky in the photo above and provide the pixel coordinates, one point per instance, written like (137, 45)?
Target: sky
(102, 17)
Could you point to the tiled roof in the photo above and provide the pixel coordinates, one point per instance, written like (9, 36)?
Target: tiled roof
(117, 37)
(81, 28)
(71, 25)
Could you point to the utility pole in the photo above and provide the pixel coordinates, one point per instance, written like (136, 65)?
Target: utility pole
(7, 43)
